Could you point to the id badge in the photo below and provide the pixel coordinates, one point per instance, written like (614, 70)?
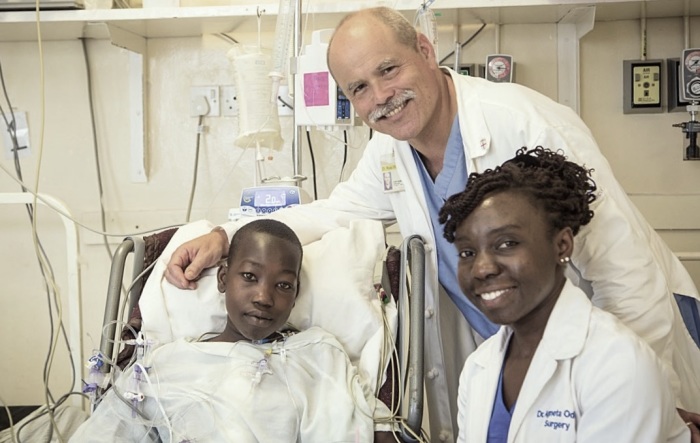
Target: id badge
(390, 177)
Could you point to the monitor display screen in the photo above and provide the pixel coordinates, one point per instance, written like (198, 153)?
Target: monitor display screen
(270, 198)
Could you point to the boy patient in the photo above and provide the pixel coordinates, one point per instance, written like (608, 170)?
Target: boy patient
(257, 381)
(559, 369)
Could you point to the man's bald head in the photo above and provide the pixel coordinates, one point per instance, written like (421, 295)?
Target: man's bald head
(401, 28)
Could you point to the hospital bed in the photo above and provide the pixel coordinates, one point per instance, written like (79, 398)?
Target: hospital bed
(399, 271)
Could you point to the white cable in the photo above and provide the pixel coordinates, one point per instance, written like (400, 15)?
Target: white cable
(9, 417)
(59, 211)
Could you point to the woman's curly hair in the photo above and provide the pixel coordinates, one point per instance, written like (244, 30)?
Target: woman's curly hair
(562, 188)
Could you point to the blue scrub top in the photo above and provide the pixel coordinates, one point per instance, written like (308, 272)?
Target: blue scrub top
(501, 416)
(451, 180)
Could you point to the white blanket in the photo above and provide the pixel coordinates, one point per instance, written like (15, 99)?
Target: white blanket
(308, 392)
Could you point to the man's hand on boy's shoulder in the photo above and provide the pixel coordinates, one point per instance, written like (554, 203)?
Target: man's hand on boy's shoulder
(692, 420)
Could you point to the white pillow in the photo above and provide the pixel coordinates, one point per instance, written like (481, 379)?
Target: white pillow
(336, 293)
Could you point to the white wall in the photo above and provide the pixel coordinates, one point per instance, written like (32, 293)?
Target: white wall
(645, 152)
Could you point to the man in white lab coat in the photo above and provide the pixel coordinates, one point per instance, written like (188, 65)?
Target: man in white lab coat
(434, 127)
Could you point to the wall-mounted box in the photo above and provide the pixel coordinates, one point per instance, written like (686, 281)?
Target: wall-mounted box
(642, 91)
(690, 75)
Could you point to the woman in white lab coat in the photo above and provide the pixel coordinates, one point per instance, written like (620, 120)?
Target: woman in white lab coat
(559, 369)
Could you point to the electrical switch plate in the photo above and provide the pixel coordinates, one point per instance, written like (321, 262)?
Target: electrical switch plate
(22, 131)
(229, 101)
(284, 108)
(642, 86)
(211, 94)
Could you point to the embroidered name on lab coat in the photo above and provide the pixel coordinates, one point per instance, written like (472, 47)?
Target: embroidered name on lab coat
(557, 419)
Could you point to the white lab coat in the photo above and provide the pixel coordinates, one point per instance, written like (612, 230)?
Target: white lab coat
(307, 391)
(632, 272)
(590, 380)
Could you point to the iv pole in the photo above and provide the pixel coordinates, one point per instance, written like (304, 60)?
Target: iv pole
(296, 140)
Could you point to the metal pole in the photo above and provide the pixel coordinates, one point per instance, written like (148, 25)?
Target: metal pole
(296, 141)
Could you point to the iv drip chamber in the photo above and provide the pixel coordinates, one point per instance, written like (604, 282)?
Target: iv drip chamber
(280, 51)
(426, 23)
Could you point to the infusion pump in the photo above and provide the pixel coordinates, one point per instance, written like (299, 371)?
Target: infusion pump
(263, 200)
(318, 100)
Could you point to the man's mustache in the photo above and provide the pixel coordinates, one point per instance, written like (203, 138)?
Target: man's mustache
(395, 103)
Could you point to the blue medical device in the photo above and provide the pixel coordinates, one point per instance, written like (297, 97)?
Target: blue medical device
(262, 200)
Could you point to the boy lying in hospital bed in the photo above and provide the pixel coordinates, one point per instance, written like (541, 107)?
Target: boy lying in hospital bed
(256, 381)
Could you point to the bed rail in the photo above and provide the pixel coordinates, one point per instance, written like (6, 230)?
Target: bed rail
(135, 245)
(413, 254)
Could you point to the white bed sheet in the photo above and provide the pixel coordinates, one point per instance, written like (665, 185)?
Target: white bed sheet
(310, 392)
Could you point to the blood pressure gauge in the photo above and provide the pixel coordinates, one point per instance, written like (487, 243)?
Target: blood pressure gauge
(692, 61)
(499, 68)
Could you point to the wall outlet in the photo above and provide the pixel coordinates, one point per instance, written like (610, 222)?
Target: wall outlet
(229, 101)
(211, 94)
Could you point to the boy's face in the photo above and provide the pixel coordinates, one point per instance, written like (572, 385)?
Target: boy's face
(261, 284)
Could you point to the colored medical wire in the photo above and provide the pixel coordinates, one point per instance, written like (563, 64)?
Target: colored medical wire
(313, 162)
(345, 154)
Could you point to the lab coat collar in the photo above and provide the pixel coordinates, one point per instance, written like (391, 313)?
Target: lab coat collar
(475, 133)
(569, 319)
(419, 222)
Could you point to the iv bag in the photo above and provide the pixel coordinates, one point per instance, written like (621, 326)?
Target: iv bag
(258, 121)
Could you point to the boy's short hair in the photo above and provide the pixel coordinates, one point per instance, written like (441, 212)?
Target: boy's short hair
(265, 226)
